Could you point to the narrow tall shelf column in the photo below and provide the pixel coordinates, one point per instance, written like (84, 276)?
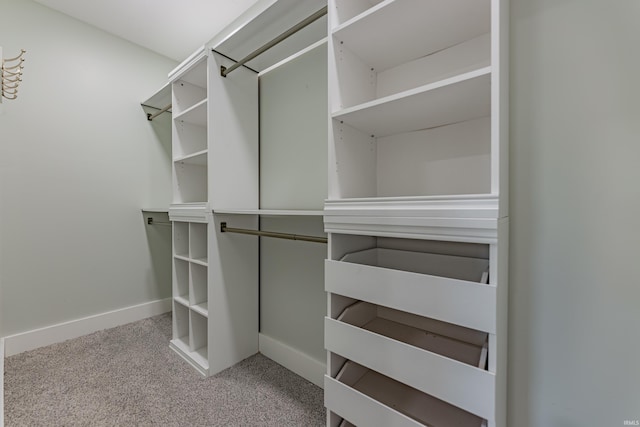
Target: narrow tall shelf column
(417, 213)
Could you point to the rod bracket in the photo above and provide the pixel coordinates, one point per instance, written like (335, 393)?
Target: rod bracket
(223, 71)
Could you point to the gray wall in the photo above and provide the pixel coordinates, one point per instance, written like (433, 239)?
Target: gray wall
(78, 160)
(575, 203)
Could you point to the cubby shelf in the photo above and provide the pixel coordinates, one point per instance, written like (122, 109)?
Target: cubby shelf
(199, 158)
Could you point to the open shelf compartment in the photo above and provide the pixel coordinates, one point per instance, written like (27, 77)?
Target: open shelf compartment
(198, 339)
(366, 397)
(190, 181)
(198, 290)
(181, 280)
(188, 139)
(198, 242)
(190, 89)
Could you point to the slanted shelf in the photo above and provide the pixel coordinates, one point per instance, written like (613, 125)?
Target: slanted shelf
(411, 113)
(421, 283)
(369, 398)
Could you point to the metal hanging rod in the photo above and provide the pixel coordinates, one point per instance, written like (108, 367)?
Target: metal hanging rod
(315, 239)
(150, 221)
(310, 19)
(150, 116)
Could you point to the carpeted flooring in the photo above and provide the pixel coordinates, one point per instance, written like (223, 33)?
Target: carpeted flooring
(128, 376)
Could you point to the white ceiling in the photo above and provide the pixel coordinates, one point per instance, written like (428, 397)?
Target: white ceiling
(173, 28)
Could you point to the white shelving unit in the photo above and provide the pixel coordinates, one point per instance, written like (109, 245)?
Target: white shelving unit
(234, 155)
(417, 213)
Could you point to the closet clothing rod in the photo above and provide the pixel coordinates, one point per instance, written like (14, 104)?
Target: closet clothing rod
(150, 116)
(315, 239)
(310, 19)
(150, 221)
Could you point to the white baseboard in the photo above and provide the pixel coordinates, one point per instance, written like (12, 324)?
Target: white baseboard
(294, 360)
(48, 335)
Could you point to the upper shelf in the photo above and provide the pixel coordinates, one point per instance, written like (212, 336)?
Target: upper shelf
(160, 99)
(270, 212)
(263, 22)
(420, 32)
(196, 114)
(456, 99)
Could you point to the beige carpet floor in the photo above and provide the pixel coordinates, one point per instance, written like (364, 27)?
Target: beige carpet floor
(128, 376)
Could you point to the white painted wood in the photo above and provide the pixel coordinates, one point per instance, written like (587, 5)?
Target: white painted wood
(190, 181)
(265, 21)
(344, 10)
(500, 103)
(198, 241)
(233, 137)
(464, 386)
(180, 278)
(413, 29)
(453, 159)
(30, 340)
(301, 363)
(232, 293)
(293, 133)
(188, 138)
(198, 344)
(458, 59)
(456, 99)
(419, 406)
(195, 114)
(194, 60)
(189, 212)
(292, 296)
(353, 162)
(427, 334)
(271, 212)
(198, 158)
(182, 349)
(198, 284)
(160, 98)
(156, 210)
(186, 96)
(360, 408)
(455, 301)
(453, 267)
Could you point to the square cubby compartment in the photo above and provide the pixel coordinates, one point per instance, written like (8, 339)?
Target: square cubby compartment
(181, 280)
(198, 299)
(180, 326)
(198, 242)
(181, 238)
(198, 339)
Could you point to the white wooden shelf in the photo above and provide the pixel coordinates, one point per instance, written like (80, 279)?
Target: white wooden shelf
(196, 114)
(425, 284)
(202, 308)
(156, 210)
(366, 397)
(181, 300)
(160, 99)
(418, 33)
(269, 212)
(182, 257)
(456, 99)
(199, 158)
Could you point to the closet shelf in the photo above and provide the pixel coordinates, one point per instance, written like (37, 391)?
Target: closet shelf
(420, 32)
(197, 358)
(160, 99)
(425, 284)
(269, 212)
(181, 300)
(202, 308)
(196, 114)
(199, 158)
(369, 398)
(456, 99)
(156, 210)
